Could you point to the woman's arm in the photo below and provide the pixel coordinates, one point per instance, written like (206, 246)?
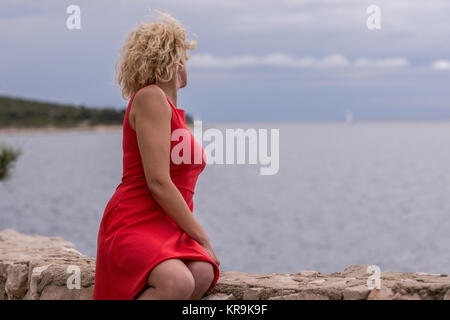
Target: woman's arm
(152, 118)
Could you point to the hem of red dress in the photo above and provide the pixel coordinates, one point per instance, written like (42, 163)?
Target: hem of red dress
(186, 257)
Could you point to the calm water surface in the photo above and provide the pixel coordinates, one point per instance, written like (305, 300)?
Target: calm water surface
(375, 193)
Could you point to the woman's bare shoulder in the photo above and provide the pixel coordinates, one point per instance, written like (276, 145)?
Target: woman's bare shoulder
(151, 100)
(150, 95)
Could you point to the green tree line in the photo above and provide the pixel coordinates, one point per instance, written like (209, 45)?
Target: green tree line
(16, 112)
(24, 113)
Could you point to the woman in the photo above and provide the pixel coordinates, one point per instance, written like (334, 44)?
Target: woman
(150, 246)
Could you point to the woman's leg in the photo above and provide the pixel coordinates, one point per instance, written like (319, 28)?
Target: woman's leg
(203, 273)
(169, 280)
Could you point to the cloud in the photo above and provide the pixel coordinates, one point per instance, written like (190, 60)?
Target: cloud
(381, 63)
(210, 61)
(441, 65)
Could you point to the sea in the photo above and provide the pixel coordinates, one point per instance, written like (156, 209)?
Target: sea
(343, 193)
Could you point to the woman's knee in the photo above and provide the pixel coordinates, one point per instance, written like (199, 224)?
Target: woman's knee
(179, 285)
(203, 273)
(173, 280)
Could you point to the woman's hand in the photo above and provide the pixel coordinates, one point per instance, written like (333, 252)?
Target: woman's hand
(206, 244)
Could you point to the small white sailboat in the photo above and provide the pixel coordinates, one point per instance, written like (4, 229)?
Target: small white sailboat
(349, 117)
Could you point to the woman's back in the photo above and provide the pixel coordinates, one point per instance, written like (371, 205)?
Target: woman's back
(135, 233)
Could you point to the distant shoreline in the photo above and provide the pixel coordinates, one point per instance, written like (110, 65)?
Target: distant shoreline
(50, 129)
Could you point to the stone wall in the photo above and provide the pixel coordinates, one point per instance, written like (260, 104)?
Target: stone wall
(42, 268)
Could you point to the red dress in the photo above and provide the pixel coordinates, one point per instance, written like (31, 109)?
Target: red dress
(135, 233)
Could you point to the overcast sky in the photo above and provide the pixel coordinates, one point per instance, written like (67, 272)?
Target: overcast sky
(257, 60)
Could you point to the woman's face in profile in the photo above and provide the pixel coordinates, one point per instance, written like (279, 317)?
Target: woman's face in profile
(182, 72)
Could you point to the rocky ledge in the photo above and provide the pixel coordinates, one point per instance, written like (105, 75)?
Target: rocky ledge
(42, 268)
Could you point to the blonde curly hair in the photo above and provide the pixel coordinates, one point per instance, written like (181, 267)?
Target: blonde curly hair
(151, 53)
